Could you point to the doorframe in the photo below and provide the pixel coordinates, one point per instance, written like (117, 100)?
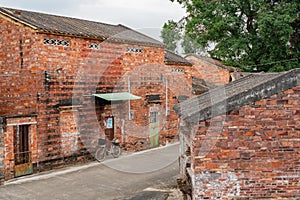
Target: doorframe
(154, 138)
(21, 144)
(10, 164)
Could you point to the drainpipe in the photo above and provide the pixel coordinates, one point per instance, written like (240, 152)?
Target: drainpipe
(1, 125)
(167, 97)
(122, 130)
(129, 116)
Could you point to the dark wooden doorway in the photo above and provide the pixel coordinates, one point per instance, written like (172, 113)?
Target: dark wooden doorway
(23, 163)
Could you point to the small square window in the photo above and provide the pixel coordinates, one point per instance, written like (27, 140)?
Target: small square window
(94, 46)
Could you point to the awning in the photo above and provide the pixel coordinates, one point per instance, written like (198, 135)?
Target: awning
(119, 96)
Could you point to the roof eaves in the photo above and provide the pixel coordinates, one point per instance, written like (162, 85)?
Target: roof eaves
(11, 16)
(49, 32)
(175, 59)
(137, 37)
(134, 42)
(178, 63)
(208, 62)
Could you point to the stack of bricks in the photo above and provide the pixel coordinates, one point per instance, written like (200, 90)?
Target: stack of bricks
(256, 153)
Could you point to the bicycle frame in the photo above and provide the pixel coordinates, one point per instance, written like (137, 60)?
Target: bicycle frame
(105, 147)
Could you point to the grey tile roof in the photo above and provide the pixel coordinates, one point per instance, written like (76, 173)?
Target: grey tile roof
(244, 91)
(173, 59)
(54, 24)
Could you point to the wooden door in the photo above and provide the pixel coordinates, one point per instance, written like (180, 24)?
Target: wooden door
(23, 162)
(154, 128)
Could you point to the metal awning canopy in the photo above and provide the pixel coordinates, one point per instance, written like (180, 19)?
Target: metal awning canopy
(119, 96)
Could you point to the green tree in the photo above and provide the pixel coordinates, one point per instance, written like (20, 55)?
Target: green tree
(170, 35)
(190, 45)
(174, 38)
(260, 35)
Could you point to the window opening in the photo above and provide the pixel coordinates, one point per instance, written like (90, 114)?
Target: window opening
(176, 70)
(134, 50)
(94, 46)
(56, 42)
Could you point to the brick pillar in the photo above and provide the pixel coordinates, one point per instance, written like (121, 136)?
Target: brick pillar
(1, 151)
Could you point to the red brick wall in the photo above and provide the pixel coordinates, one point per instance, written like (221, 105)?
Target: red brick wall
(17, 47)
(75, 72)
(94, 71)
(210, 73)
(257, 153)
(18, 85)
(144, 82)
(9, 152)
(2, 151)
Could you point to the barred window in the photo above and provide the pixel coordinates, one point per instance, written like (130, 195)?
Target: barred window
(176, 70)
(56, 42)
(134, 50)
(94, 46)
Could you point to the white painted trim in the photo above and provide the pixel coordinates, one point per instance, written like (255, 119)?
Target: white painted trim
(24, 123)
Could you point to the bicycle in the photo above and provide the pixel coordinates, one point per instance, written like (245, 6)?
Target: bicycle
(107, 146)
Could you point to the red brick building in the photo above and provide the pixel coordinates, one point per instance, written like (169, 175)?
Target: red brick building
(212, 71)
(55, 75)
(64, 80)
(241, 141)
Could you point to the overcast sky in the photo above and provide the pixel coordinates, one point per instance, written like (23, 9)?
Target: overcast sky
(146, 16)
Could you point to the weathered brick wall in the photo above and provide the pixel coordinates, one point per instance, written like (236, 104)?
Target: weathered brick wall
(16, 43)
(20, 93)
(9, 151)
(210, 73)
(54, 82)
(256, 155)
(2, 146)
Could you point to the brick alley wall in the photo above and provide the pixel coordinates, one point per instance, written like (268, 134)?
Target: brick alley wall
(256, 155)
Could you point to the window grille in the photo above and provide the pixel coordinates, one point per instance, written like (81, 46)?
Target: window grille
(134, 50)
(94, 46)
(56, 42)
(176, 70)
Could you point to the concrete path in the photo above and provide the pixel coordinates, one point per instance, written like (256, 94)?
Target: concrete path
(127, 177)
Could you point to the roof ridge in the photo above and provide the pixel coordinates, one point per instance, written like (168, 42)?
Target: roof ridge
(56, 15)
(76, 27)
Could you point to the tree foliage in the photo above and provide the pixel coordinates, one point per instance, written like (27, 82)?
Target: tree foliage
(170, 35)
(260, 35)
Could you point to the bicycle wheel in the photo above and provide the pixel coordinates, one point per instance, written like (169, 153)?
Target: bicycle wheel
(115, 150)
(100, 154)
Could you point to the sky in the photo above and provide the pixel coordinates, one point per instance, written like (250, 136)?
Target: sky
(147, 16)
